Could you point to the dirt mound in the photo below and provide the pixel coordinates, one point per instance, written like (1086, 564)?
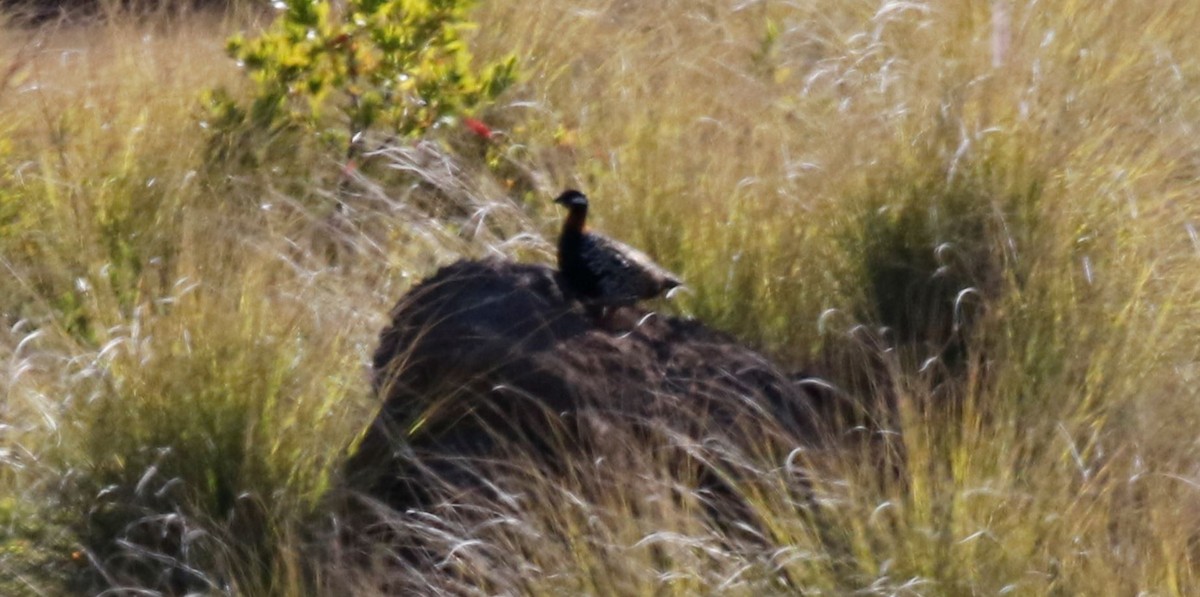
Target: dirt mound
(488, 355)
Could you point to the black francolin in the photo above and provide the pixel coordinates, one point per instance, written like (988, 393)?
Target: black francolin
(604, 273)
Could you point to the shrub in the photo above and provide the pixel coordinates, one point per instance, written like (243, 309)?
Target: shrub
(399, 68)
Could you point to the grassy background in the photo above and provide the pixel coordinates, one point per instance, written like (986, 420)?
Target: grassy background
(982, 210)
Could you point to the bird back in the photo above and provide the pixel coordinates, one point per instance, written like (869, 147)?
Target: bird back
(624, 274)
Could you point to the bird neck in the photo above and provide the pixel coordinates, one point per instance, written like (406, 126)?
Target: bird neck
(576, 222)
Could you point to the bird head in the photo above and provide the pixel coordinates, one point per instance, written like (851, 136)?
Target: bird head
(572, 198)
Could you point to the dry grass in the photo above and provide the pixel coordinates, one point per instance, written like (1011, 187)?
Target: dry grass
(1005, 186)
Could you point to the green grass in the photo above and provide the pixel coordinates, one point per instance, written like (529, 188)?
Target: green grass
(1003, 200)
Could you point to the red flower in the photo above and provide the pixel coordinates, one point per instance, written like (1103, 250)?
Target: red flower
(478, 127)
(339, 41)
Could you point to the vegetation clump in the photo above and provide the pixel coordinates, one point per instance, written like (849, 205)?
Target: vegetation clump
(343, 73)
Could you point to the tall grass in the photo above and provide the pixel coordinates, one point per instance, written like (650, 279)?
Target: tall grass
(979, 212)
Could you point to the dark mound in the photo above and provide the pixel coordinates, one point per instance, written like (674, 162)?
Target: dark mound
(488, 355)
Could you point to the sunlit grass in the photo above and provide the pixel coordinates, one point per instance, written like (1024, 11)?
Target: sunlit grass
(980, 211)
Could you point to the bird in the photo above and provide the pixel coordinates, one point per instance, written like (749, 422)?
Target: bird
(603, 273)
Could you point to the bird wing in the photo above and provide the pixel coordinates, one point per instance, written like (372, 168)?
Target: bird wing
(625, 273)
